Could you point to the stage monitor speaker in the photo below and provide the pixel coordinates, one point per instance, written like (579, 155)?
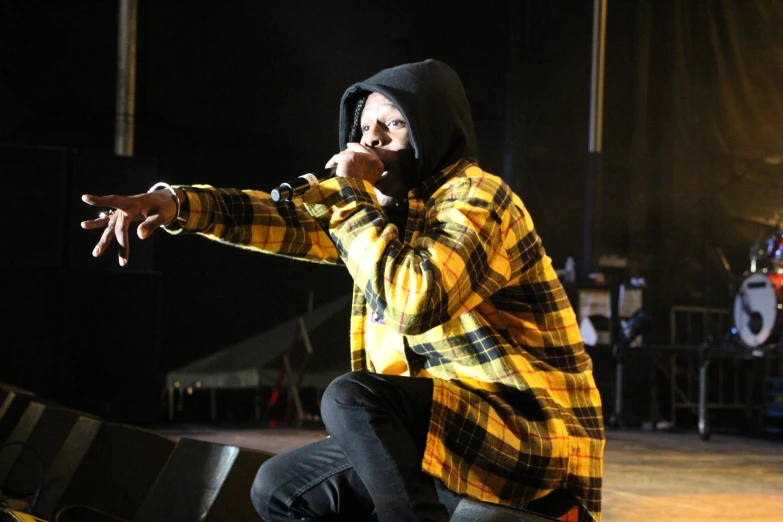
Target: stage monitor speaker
(6, 388)
(35, 194)
(204, 481)
(103, 470)
(12, 408)
(65, 464)
(33, 328)
(103, 174)
(32, 446)
(20, 433)
(6, 398)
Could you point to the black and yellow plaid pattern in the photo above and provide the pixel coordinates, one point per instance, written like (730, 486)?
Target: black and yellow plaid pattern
(479, 308)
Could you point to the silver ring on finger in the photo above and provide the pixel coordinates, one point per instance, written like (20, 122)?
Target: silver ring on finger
(105, 214)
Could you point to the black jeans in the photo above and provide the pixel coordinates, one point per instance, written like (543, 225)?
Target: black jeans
(369, 468)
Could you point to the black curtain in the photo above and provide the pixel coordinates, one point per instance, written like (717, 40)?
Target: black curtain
(716, 140)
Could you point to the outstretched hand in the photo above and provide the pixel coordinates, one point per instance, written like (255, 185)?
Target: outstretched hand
(154, 209)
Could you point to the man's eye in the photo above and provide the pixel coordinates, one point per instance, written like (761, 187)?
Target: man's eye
(365, 128)
(395, 123)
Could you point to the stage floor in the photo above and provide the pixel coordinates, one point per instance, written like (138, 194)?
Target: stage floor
(648, 475)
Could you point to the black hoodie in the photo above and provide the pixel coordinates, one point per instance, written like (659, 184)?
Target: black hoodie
(431, 98)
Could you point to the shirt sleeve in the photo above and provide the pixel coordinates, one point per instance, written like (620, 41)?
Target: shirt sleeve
(251, 219)
(457, 260)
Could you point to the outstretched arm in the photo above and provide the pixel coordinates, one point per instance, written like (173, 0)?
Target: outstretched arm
(243, 218)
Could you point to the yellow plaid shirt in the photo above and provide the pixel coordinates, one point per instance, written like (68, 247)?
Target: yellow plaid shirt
(471, 299)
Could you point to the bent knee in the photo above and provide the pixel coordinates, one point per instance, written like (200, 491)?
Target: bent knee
(345, 388)
(350, 390)
(262, 492)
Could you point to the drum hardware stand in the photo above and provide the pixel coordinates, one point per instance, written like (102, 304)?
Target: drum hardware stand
(616, 419)
(704, 362)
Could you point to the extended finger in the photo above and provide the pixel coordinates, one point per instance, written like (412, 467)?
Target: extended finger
(101, 221)
(121, 233)
(105, 241)
(103, 201)
(95, 223)
(333, 161)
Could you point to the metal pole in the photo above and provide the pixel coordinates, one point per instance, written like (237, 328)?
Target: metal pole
(704, 427)
(595, 167)
(126, 77)
(616, 420)
(597, 76)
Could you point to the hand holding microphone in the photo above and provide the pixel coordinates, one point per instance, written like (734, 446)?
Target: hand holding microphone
(356, 161)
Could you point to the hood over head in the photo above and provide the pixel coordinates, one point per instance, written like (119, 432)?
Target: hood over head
(432, 99)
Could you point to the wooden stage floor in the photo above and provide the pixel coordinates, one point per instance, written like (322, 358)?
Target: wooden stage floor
(648, 475)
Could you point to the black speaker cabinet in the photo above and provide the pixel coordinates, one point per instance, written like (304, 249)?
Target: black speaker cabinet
(110, 362)
(43, 189)
(206, 482)
(36, 439)
(32, 446)
(63, 340)
(35, 192)
(103, 468)
(59, 337)
(12, 407)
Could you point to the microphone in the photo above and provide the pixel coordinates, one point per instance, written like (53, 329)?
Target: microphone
(295, 188)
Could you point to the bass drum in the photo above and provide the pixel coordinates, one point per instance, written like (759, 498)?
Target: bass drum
(758, 309)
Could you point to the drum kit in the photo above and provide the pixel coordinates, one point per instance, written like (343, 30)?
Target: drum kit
(758, 303)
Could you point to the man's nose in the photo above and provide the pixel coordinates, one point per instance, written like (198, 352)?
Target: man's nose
(374, 136)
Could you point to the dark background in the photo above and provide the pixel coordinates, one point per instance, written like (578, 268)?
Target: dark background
(246, 94)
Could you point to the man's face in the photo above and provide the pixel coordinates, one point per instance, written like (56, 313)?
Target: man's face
(386, 132)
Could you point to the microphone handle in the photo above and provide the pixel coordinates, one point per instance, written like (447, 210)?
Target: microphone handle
(295, 188)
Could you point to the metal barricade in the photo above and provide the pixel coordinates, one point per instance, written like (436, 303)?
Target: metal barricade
(697, 324)
(709, 372)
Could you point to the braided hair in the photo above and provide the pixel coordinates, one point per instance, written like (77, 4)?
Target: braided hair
(356, 125)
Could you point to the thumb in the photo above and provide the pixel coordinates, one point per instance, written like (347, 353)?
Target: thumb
(149, 225)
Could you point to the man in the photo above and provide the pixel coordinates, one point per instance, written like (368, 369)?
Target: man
(470, 377)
